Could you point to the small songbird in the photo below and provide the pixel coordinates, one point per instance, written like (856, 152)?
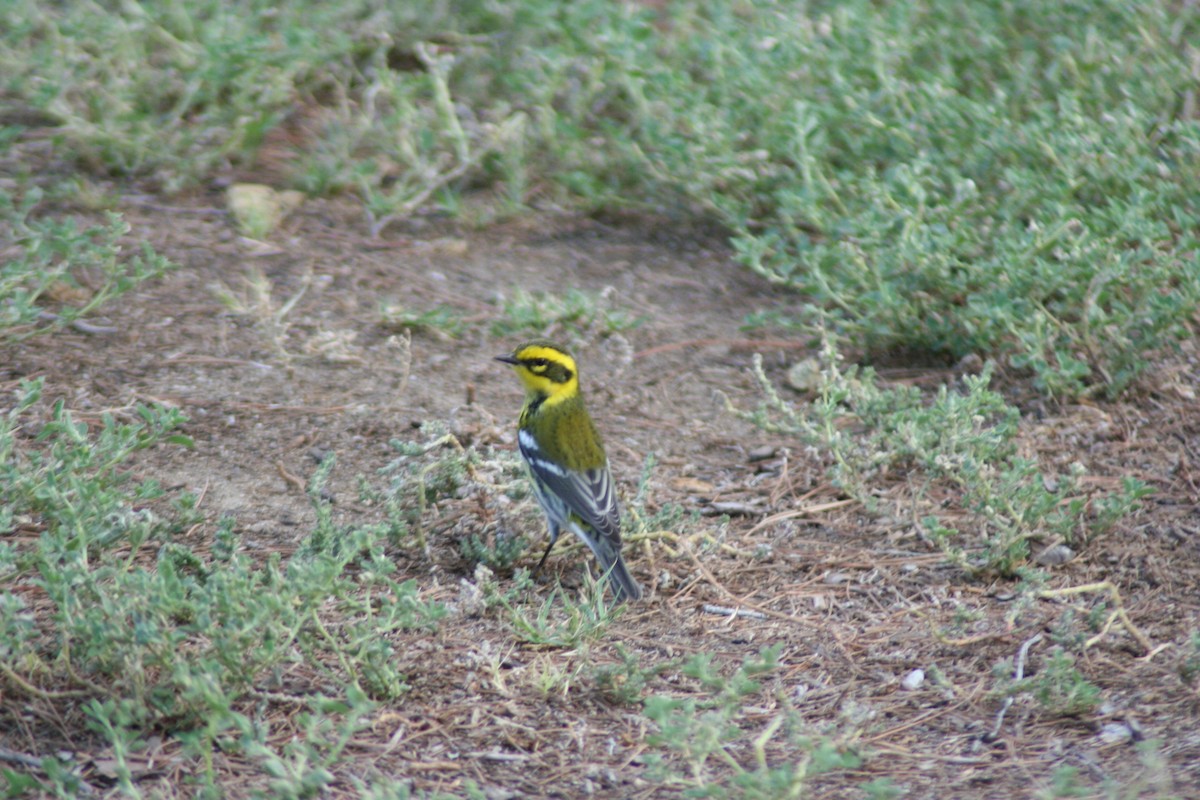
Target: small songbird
(559, 442)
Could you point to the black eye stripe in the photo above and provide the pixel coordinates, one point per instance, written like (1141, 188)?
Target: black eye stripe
(553, 370)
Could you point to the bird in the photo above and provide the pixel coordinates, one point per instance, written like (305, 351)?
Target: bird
(561, 446)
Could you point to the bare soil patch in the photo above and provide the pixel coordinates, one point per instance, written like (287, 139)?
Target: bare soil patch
(855, 600)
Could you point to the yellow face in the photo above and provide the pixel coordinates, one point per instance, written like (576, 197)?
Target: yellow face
(546, 370)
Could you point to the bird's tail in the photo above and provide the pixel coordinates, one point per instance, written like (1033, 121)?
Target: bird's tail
(608, 553)
(623, 585)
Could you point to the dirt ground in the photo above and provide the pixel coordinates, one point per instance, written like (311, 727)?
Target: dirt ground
(855, 600)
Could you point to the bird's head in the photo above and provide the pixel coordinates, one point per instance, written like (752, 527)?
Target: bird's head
(546, 369)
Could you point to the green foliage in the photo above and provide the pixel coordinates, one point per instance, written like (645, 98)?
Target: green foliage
(560, 620)
(539, 313)
(1005, 178)
(499, 552)
(54, 257)
(1154, 777)
(438, 468)
(1001, 178)
(1064, 782)
(523, 313)
(669, 517)
(964, 439)
(625, 682)
(302, 767)
(154, 634)
(444, 322)
(74, 485)
(1059, 688)
(61, 780)
(1189, 664)
(882, 789)
(700, 739)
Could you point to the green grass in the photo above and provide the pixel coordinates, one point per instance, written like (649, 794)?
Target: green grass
(962, 439)
(1003, 178)
(109, 608)
(443, 322)
(527, 314)
(709, 746)
(60, 272)
(542, 313)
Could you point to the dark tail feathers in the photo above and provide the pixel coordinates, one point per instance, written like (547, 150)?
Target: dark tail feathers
(608, 553)
(623, 585)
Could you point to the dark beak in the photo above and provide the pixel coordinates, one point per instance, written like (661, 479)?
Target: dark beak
(507, 359)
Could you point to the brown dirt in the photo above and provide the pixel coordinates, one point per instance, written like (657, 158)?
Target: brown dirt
(853, 599)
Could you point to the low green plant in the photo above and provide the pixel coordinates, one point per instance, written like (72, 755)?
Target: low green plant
(625, 682)
(1189, 664)
(553, 676)
(539, 313)
(939, 179)
(638, 520)
(1151, 778)
(1065, 782)
(499, 551)
(302, 768)
(561, 619)
(444, 322)
(55, 258)
(1058, 687)
(439, 469)
(59, 778)
(433, 147)
(1000, 179)
(882, 789)
(172, 93)
(256, 302)
(148, 633)
(708, 746)
(1062, 689)
(964, 439)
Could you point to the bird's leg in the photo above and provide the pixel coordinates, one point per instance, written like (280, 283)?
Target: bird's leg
(549, 547)
(538, 568)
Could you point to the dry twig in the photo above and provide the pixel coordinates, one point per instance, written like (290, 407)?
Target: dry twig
(1018, 676)
(709, 608)
(1118, 613)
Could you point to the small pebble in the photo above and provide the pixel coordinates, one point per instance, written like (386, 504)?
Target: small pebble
(913, 680)
(762, 453)
(970, 364)
(1055, 555)
(805, 376)
(1115, 733)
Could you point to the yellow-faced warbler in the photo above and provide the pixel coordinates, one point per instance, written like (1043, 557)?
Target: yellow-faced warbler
(559, 442)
